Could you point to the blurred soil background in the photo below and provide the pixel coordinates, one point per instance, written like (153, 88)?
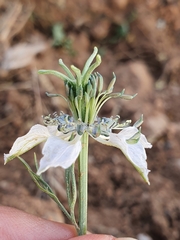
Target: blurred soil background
(139, 41)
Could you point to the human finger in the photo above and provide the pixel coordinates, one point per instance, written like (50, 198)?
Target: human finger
(99, 237)
(15, 224)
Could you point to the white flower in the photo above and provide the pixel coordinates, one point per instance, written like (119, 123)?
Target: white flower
(134, 152)
(57, 151)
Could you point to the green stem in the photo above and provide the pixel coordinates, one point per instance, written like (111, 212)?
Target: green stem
(83, 185)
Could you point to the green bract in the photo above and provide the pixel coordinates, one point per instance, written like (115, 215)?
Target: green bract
(84, 91)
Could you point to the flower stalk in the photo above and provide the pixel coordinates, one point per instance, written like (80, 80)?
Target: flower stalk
(83, 185)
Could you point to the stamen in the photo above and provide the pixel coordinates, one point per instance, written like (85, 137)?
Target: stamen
(101, 126)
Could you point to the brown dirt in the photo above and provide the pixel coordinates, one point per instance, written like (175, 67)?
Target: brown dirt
(140, 42)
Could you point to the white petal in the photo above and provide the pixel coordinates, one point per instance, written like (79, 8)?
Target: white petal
(58, 152)
(144, 142)
(137, 156)
(37, 134)
(135, 153)
(55, 132)
(128, 132)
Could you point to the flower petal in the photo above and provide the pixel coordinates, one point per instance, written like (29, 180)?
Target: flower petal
(58, 152)
(135, 153)
(37, 134)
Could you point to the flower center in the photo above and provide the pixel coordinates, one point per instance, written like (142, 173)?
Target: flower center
(101, 126)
